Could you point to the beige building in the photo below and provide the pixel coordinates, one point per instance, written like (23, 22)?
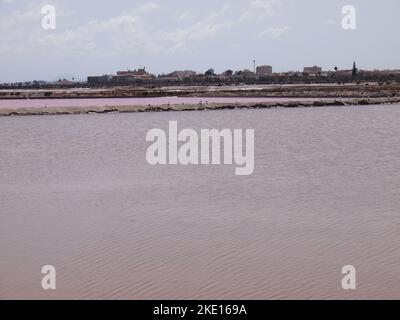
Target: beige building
(264, 71)
(140, 74)
(183, 74)
(312, 70)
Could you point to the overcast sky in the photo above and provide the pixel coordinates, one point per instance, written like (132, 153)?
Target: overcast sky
(99, 37)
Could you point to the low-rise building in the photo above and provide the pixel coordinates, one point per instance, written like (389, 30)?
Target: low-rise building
(183, 74)
(312, 70)
(245, 73)
(99, 80)
(264, 71)
(140, 74)
(178, 75)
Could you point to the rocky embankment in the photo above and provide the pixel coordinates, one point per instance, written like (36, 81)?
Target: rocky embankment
(195, 107)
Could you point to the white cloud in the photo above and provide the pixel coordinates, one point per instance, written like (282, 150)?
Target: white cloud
(131, 32)
(17, 28)
(151, 6)
(199, 31)
(184, 16)
(259, 9)
(329, 21)
(124, 32)
(20, 18)
(272, 33)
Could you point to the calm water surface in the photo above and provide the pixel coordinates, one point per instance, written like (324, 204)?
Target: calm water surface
(76, 192)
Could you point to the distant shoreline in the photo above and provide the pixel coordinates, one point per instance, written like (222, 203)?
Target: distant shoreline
(194, 107)
(192, 98)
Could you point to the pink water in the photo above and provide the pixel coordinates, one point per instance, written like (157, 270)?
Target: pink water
(37, 103)
(77, 193)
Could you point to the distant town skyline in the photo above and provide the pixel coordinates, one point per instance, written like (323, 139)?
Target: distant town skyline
(90, 39)
(129, 74)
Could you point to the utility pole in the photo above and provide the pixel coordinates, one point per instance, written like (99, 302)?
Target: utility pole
(254, 65)
(355, 70)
